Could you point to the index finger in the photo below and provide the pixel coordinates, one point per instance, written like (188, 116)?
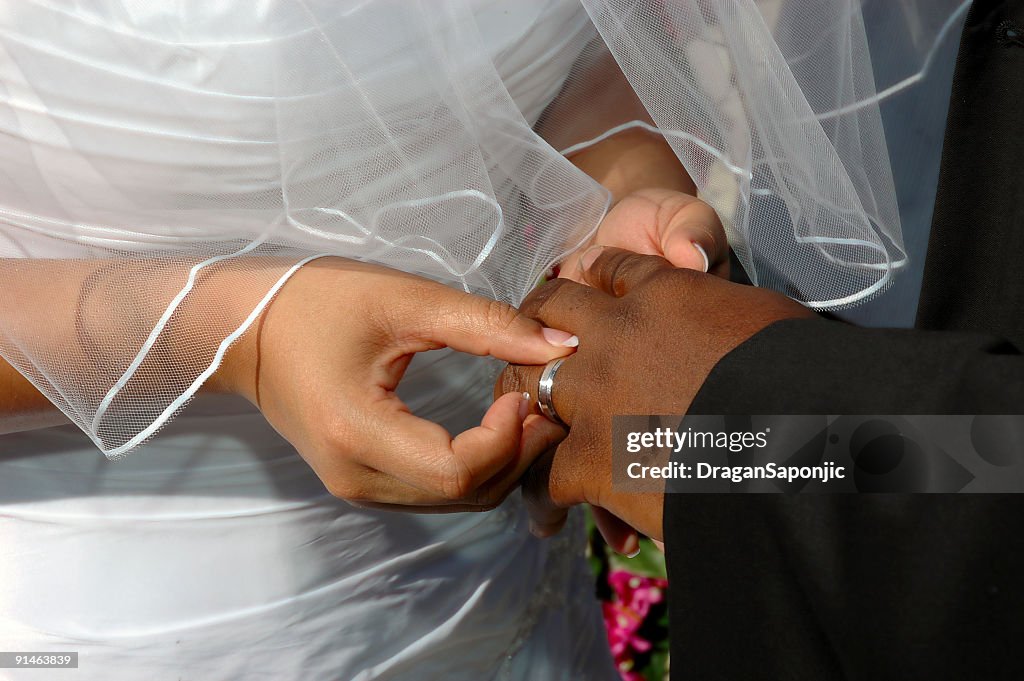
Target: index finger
(439, 316)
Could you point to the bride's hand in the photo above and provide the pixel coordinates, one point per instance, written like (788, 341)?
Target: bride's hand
(676, 226)
(323, 362)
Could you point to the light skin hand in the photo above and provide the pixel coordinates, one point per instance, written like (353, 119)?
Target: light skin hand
(676, 226)
(323, 369)
(322, 363)
(654, 210)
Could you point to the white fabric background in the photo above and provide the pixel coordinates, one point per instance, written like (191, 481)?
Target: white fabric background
(216, 553)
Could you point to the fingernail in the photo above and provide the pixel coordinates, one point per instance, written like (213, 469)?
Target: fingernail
(589, 256)
(561, 339)
(703, 254)
(524, 406)
(631, 549)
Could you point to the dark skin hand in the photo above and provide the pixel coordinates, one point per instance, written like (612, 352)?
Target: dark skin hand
(650, 334)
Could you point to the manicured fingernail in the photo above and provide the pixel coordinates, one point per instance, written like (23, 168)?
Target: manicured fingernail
(589, 256)
(524, 406)
(561, 339)
(631, 549)
(703, 254)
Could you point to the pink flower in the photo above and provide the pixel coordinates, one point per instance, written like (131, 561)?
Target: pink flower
(631, 676)
(621, 624)
(636, 592)
(625, 665)
(625, 614)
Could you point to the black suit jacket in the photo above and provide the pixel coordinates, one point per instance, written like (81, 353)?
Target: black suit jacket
(874, 587)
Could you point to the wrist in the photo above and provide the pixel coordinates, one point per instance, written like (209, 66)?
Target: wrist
(238, 371)
(632, 160)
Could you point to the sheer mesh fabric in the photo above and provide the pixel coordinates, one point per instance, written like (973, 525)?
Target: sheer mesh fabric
(166, 168)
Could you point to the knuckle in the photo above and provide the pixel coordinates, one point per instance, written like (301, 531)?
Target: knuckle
(456, 482)
(562, 306)
(336, 447)
(392, 318)
(559, 494)
(632, 270)
(610, 268)
(532, 302)
(343, 488)
(513, 379)
(540, 299)
(499, 315)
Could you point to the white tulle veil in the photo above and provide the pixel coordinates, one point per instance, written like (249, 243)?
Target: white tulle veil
(166, 166)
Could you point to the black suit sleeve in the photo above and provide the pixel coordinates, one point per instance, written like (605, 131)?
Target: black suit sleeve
(826, 367)
(878, 587)
(851, 586)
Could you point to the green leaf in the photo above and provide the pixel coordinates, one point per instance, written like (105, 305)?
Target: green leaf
(650, 562)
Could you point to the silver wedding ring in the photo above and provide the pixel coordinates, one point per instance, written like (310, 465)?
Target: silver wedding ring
(547, 383)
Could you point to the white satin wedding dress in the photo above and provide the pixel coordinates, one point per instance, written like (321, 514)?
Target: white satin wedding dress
(215, 553)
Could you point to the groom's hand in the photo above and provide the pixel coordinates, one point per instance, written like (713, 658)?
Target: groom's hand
(650, 334)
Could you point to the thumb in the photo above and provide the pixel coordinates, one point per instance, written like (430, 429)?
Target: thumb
(481, 326)
(692, 236)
